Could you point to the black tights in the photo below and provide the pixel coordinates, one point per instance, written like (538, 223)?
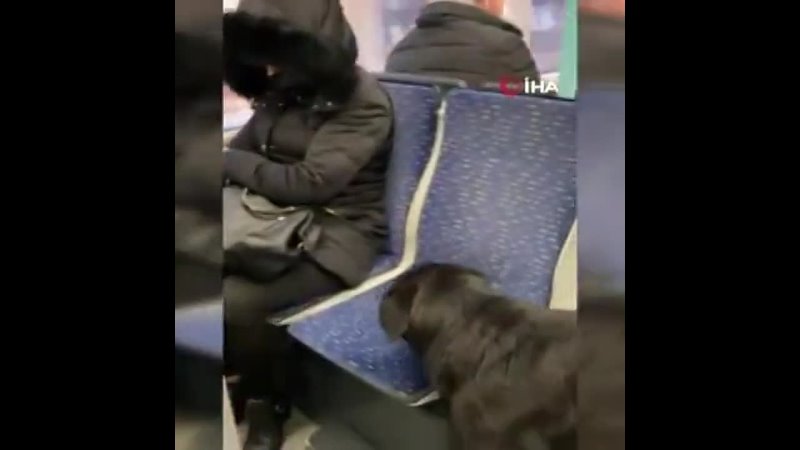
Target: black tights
(258, 352)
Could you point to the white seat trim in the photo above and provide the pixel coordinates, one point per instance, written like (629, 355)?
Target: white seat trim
(564, 291)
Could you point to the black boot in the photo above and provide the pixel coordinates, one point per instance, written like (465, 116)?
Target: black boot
(265, 429)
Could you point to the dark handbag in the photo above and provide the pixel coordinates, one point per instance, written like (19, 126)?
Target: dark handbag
(260, 239)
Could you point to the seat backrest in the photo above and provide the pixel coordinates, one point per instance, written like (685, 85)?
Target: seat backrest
(442, 83)
(415, 110)
(503, 197)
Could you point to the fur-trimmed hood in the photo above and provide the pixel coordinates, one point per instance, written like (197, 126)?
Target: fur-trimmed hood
(309, 40)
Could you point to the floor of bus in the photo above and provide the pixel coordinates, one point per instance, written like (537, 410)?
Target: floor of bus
(335, 412)
(198, 433)
(346, 414)
(339, 412)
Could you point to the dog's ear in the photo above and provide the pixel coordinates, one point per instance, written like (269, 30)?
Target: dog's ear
(395, 309)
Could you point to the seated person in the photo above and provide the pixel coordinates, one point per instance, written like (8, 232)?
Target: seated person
(320, 135)
(466, 40)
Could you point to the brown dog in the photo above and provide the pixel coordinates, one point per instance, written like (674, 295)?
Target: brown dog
(507, 369)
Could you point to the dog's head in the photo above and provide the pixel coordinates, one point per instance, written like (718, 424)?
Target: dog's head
(425, 299)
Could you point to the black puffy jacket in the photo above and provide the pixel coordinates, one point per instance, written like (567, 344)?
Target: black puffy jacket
(462, 41)
(321, 129)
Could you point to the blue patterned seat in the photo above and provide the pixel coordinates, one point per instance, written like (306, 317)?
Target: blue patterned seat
(501, 200)
(415, 109)
(199, 328)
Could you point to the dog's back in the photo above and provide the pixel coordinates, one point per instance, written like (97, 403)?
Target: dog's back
(507, 367)
(515, 375)
(569, 390)
(563, 382)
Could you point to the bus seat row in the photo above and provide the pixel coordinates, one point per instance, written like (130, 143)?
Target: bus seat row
(476, 178)
(497, 194)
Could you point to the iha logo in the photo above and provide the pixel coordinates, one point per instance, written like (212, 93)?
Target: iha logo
(511, 86)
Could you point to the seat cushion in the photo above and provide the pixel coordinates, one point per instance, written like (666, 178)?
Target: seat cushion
(349, 336)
